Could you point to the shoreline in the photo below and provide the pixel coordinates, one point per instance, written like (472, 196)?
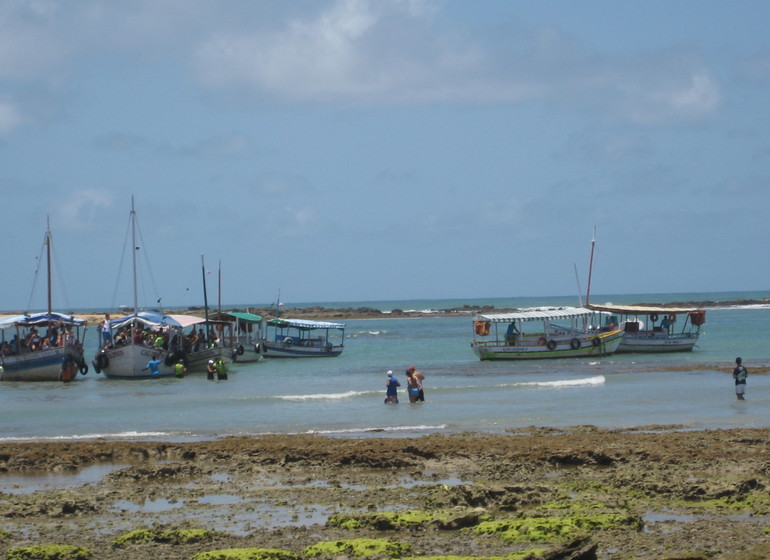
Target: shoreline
(338, 314)
(649, 492)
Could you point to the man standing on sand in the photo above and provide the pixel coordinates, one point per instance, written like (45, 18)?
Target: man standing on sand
(419, 377)
(740, 374)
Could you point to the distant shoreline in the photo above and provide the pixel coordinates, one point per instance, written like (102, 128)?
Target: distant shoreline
(321, 313)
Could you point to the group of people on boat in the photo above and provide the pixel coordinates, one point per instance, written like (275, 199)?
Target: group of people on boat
(414, 386)
(160, 338)
(56, 336)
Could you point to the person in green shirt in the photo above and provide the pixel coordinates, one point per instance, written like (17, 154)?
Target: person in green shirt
(179, 369)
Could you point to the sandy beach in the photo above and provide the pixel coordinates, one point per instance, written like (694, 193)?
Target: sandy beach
(580, 493)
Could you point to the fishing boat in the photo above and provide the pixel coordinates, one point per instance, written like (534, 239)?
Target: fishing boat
(542, 332)
(54, 355)
(29, 354)
(147, 335)
(299, 338)
(642, 331)
(239, 334)
(654, 329)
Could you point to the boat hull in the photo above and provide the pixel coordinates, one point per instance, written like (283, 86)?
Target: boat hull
(129, 361)
(41, 365)
(655, 343)
(245, 352)
(282, 350)
(594, 345)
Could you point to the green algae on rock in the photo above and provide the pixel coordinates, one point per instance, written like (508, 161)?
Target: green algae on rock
(247, 554)
(410, 519)
(554, 529)
(49, 552)
(359, 548)
(169, 536)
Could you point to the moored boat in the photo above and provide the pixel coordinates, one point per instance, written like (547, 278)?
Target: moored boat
(239, 335)
(145, 336)
(542, 333)
(31, 355)
(654, 329)
(140, 337)
(299, 338)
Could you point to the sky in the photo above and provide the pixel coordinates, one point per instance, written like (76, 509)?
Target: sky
(355, 150)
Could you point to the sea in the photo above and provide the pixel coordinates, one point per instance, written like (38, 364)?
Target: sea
(343, 396)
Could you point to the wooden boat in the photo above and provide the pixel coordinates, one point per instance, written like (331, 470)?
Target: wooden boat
(26, 358)
(239, 335)
(28, 354)
(660, 333)
(298, 338)
(542, 332)
(146, 335)
(654, 329)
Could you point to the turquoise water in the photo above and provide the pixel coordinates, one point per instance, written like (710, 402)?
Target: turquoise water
(344, 396)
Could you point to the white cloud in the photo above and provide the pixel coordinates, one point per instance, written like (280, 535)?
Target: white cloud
(373, 52)
(10, 117)
(80, 209)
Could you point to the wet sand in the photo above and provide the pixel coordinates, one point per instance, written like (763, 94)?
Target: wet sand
(608, 494)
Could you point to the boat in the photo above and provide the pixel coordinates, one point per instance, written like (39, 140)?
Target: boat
(56, 355)
(542, 332)
(28, 354)
(652, 336)
(300, 338)
(654, 329)
(147, 334)
(239, 335)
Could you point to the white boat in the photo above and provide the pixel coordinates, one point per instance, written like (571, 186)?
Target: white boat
(29, 354)
(25, 357)
(146, 335)
(299, 338)
(542, 332)
(654, 329)
(239, 335)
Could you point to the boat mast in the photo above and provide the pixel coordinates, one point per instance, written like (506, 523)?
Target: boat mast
(133, 254)
(590, 268)
(48, 260)
(205, 298)
(219, 287)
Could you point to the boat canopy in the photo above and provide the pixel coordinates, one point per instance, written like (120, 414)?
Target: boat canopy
(39, 319)
(642, 309)
(150, 318)
(536, 314)
(10, 321)
(187, 320)
(303, 324)
(244, 317)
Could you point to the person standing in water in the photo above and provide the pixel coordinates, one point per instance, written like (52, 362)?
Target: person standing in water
(391, 391)
(412, 386)
(740, 374)
(418, 375)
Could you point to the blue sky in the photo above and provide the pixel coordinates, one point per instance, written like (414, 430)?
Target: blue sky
(374, 150)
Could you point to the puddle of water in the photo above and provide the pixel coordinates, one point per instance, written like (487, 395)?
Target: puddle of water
(220, 500)
(149, 506)
(33, 481)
